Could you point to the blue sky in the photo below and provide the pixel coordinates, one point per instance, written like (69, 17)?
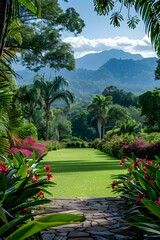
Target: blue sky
(98, 35)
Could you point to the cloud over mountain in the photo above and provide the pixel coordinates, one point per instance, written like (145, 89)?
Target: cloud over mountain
(83, 46)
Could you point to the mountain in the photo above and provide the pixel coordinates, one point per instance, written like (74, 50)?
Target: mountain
(132, 75)
(95, 60)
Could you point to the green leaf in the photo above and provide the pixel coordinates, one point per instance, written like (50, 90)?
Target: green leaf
(152, 206)
(3, 216)
(15, 162)
(22, 171)
(40, 224)
(148, 227)
(29, 5)
(4, 228)
(3, 183)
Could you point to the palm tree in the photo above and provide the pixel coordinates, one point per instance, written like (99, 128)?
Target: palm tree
(50, 91)
(99, 108)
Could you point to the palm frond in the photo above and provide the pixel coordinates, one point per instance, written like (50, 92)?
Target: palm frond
(150, 13)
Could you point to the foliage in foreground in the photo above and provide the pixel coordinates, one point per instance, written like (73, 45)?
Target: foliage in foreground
(141, 188)
(23, 188)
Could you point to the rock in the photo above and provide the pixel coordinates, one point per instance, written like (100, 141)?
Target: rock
(78, 234)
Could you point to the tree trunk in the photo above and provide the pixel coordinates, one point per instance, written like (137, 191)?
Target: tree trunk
(99, 126)
(5, 12)
(47, 127)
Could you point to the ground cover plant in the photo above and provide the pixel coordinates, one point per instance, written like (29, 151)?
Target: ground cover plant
(82, 172)
(141, 188)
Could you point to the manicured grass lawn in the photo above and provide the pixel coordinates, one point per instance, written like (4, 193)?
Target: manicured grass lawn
(82, 172)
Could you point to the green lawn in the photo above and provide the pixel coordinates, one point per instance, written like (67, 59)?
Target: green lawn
(82, 172)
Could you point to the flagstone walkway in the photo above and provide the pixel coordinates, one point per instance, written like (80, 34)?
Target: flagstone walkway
(105, 220)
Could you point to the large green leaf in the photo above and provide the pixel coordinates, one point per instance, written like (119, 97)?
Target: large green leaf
(28, 4)
(152, 206)
(148, 227)
(40, 224)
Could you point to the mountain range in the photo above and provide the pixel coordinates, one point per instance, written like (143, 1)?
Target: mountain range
(94, 72)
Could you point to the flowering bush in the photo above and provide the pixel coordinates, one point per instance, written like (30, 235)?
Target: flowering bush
(141, 188)
(23, 188)
(141, 149)
(27, 147)
(51, 145)
(114, 145)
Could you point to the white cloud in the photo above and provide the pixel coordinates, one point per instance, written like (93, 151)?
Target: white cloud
(83, 46)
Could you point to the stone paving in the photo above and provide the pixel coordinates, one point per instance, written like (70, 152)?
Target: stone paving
(105, 220)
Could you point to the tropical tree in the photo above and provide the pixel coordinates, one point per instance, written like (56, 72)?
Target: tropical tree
(150, 105)
(148, 10)
(28, 97)
(41, 43)
(120, 96)
(116, 113)
(99, 109)
(50, 91)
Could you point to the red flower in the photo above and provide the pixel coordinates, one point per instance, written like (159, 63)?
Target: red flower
(135, 167)
(138, 161)
(24, 210)
(49, 176)
(40, 194)
(47, 168)
(139, 197)
(158, 201)
(149, 162)
(123, 160)
(115, 183)
(34, 179)
(145, 169)
(151, 181)
(3, 168)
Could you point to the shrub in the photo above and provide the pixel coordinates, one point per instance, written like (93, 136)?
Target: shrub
(141, 188)
(51, 145)
(74, 142)
(28, 146)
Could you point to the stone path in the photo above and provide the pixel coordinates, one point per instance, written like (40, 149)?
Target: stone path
(105, 219)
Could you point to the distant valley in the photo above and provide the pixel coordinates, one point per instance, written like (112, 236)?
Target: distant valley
(94, 72)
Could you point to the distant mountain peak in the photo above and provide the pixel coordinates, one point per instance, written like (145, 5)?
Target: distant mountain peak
(93, 61)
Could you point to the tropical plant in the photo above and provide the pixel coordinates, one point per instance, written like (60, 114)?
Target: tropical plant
(50, 91)
(28, 96)
(148, 10)
(99, 108)
(141, 188)
(150, 105)
(23, 188)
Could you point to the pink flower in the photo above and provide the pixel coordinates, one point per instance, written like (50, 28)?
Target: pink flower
(34, 179)
(138, 161)
(3, 168)
(29, 141)
(47, 168)
(49, 176)
(145, 169)
(123, 160)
